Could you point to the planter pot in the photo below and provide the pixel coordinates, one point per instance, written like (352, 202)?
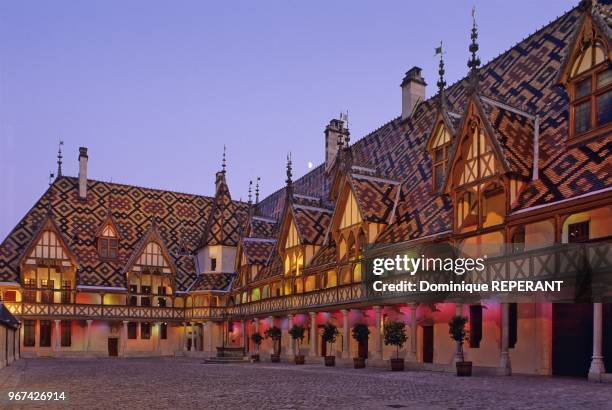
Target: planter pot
(255, 357)
(359, 362)
(464, 369)
(275, 358)
(299, 359)
(330, 361)
(397, 365)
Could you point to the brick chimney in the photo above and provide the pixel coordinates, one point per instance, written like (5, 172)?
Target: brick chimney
(335, 134)
(413, 90)
(83, 173)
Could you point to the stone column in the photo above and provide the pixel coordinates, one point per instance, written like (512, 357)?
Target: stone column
(56, 344)
(412, 355)
(597, 364)
(192, 324)
(271, 319)
(346, 337)
(256, 327)
(378, 354)
(313, 334)
(158, 347)
(88, 335)
(458, 357)
(290, 351)
(245, 342)
(124, 337)
(504, 363)
(184, 336)
(210, 327)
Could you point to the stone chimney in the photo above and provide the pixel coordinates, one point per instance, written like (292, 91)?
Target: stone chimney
(413, 90)
(335, 134)
(83, 172)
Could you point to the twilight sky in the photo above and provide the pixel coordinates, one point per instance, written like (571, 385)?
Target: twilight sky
(155, 89)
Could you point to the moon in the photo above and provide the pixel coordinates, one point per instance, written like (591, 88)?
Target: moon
(310, 165)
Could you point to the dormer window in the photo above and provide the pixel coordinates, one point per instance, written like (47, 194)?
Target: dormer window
(588, 78)
(108, 243)
(439, 155)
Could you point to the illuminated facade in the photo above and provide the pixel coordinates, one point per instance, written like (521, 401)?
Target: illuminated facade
(516, 153)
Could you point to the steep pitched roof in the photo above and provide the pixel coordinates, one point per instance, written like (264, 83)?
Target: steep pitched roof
(182, 219)
(375, 196)
(311, 223)
(212, 282)
(257, 250)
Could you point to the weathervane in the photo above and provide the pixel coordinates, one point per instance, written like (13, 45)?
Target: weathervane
(474, 61)
(441, 82)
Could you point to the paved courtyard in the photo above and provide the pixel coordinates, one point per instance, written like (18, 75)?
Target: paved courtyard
(187, 383)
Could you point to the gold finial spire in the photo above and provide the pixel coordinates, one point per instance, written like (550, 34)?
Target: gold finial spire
(59, 158)
(474, 61)
(223, 162)
(289, 174)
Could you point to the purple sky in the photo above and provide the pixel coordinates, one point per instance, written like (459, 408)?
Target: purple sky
(155, 89)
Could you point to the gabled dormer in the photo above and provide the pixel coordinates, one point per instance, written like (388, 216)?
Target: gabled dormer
(476, 175)
(108, 240)
(438, 146)
(586, 75)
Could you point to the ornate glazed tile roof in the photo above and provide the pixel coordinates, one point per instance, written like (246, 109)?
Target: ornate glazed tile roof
(311, 223)
(257, 250)
(262, 227)
(376, 196)
(181, 222)
(273, 269)
(212, 281)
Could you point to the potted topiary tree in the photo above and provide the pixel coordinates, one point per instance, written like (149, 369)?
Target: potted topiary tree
(457, 332)
(274, 333)
(330, 333)
(297, 334)
(360, 333)
(257, 338)
(395, 335)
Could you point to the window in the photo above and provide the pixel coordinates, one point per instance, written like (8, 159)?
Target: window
(108, 244)
(145, 330)
(48, 247)
(518, 240)
(439, 155)
(132, 330)
(163, 331)
(10, 296)
(29, 294)
(590, 90)
(578, 232)
(66, 333)
(145, 300)
(45, 333)
(213, 264)
(47, 294)
(66, 291)
(475, 325)
(29, 333)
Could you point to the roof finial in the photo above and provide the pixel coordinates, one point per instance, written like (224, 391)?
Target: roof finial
(257, 191)
(441, 82)
(474, 61)
(59, 158)
(223, 162)
(51, 176)
(250, 189)
(289, 181)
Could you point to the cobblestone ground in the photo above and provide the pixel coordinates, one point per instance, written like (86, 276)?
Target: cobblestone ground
(187, 383)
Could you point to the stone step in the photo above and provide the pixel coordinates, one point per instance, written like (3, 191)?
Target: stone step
(224, 360)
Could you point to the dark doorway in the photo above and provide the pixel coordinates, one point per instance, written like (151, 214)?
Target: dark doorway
(428, 344)
(113, 346)
(607, 336)
(323, 347)
(572, 338)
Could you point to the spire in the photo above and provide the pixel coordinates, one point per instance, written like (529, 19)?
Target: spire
(257, 191)
(441, 82)
(289, 181)
(250, 192)
(59, 158)
(51, 177)
(474, 61)
(223, 162)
